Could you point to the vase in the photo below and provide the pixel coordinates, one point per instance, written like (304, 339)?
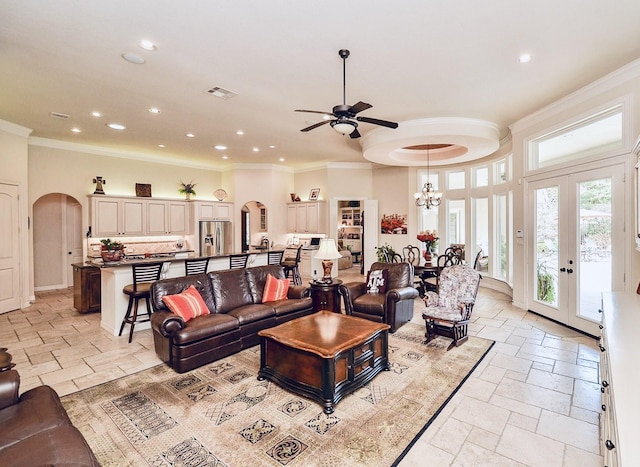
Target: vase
(428, 255)
(111, 256)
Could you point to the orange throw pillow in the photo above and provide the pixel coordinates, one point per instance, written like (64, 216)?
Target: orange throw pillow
(187, 304)
(275, 289)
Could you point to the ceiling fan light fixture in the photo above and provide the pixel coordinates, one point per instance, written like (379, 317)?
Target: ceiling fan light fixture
(344, 127)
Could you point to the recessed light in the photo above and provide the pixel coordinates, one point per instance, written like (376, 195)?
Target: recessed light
(96, 114)
(326, 117)
(239, 132)
(133, 58)
(147, 44)
(161, 145)
(272, 147)
(153, 110)
(281, 159)
(225, 157)
(256, 149)
(190, 135)
(525, 58)
(220, 147)
(116, 126)
(76, 130)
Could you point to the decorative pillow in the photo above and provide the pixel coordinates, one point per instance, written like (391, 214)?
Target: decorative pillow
(187, 304)
(275, 289)
(377, 281)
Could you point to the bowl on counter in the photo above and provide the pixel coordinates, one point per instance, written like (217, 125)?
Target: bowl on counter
(112, 256)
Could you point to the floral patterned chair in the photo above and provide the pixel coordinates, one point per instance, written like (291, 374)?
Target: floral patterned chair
(447, 312)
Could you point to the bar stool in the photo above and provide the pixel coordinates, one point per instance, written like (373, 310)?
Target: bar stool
(291, 266)
(143, 275)
(195, 266)
(238, 261)
(275, 257)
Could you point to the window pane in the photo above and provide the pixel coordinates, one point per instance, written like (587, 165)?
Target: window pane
(546, 235)
(455, 222)
(455, 180)
(481, 176)
(587, 137)
(481, 234)
(500, 219)
(500, 172)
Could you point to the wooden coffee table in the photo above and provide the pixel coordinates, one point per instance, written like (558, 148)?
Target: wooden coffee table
(324, 356)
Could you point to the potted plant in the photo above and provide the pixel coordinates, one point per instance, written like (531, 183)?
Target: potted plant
(187, 189)
(112, 250)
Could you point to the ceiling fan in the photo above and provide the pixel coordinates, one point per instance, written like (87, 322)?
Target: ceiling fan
(345, 116)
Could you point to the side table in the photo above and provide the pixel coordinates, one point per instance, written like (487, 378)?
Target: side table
(325, 296)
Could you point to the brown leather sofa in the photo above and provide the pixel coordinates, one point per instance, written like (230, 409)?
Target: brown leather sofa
(35, 428)
(234, 298)
(394, 307)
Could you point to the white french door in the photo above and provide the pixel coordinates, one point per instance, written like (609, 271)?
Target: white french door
(577, 244)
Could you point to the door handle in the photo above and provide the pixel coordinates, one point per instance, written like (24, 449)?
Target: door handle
(563, 269)
(569, 271)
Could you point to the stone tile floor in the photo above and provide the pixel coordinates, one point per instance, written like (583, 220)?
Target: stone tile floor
(533, 401)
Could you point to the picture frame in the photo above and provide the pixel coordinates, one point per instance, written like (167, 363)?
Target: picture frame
(313, 195)
(143, 190)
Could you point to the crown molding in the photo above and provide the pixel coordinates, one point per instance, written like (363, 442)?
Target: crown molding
(15, 129)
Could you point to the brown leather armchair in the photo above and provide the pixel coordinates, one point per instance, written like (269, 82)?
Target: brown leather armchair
(394, 307)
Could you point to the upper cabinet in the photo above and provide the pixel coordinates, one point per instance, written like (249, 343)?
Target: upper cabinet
(212, 211)
(131, 216)
(307, 217)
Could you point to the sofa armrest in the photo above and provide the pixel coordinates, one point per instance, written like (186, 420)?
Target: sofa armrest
(9, 386)
(166, 323)
(298, 291)
(350, 291)
(402, 293)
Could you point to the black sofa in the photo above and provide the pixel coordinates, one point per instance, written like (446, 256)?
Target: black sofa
(234, 299)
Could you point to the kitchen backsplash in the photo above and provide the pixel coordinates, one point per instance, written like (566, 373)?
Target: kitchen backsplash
(135, 246)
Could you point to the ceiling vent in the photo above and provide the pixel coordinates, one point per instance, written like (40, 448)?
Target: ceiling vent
(59, 115)
(222, 93)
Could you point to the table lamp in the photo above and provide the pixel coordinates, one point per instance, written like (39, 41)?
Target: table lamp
(327, 252)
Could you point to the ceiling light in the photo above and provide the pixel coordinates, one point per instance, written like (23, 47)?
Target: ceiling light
(326, 117)
(220, 147)
(256, 149)
(133, 58)
(147, 45)
(225, 157)
(96, 114)
(428, 197)
(344, 126)
(153, 110)
(525, 58)
(239, 132)
(281, 159)
(272, 146)
(190, 135)
(116, 126)
(76, 130)
(161, 145)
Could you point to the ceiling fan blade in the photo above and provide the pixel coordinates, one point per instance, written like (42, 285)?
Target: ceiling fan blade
(314, 112)
(355, 134)
(315, 125)
(359, 107)
(376, 121)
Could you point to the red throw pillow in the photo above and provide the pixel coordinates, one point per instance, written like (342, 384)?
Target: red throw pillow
(275, 289)
(377, 281)
(187, 304)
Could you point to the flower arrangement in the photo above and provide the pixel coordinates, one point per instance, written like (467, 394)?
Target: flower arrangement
(187, 188)
(111, 245)
(112, 250)
(429, 238)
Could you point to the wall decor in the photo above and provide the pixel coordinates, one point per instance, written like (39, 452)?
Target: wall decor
(220, 194)
(143, 190)
(99, 182)
(394, 224)
(313, 196)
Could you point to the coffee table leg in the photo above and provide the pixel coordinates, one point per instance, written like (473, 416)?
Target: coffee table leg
(329, 410)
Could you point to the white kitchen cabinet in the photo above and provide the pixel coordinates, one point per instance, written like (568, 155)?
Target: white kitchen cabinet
(167, 218)
(306, 217)
(212, 211)
(117, 216)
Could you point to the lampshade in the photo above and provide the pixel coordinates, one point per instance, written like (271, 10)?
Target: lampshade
(344, 127)
(327, 249)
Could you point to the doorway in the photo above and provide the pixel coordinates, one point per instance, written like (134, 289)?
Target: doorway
(576, 246)
(57, 240)
(9, 248)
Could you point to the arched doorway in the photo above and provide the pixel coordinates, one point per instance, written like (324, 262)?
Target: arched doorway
(57, 240)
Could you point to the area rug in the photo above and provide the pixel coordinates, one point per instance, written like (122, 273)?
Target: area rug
(221, 415)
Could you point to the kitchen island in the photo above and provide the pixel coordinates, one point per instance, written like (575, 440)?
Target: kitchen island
(114, 276)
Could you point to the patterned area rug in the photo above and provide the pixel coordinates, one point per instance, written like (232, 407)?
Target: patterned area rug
(221, 415)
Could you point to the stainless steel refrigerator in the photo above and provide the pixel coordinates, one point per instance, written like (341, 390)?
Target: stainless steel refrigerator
(216, 238)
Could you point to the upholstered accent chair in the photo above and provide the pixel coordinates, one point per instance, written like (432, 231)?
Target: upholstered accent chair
(394, 306)
(448, 312)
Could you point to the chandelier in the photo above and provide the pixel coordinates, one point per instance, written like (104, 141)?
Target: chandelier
(428, 197)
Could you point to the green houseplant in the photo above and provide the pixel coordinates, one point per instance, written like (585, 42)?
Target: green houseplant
(112, 250)
(187, 189)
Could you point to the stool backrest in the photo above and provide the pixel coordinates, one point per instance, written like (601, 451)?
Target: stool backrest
(146, 272)
(275, 257)
(238, 261)
(195, 266)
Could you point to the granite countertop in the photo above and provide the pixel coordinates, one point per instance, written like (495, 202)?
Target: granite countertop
(97, 262)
